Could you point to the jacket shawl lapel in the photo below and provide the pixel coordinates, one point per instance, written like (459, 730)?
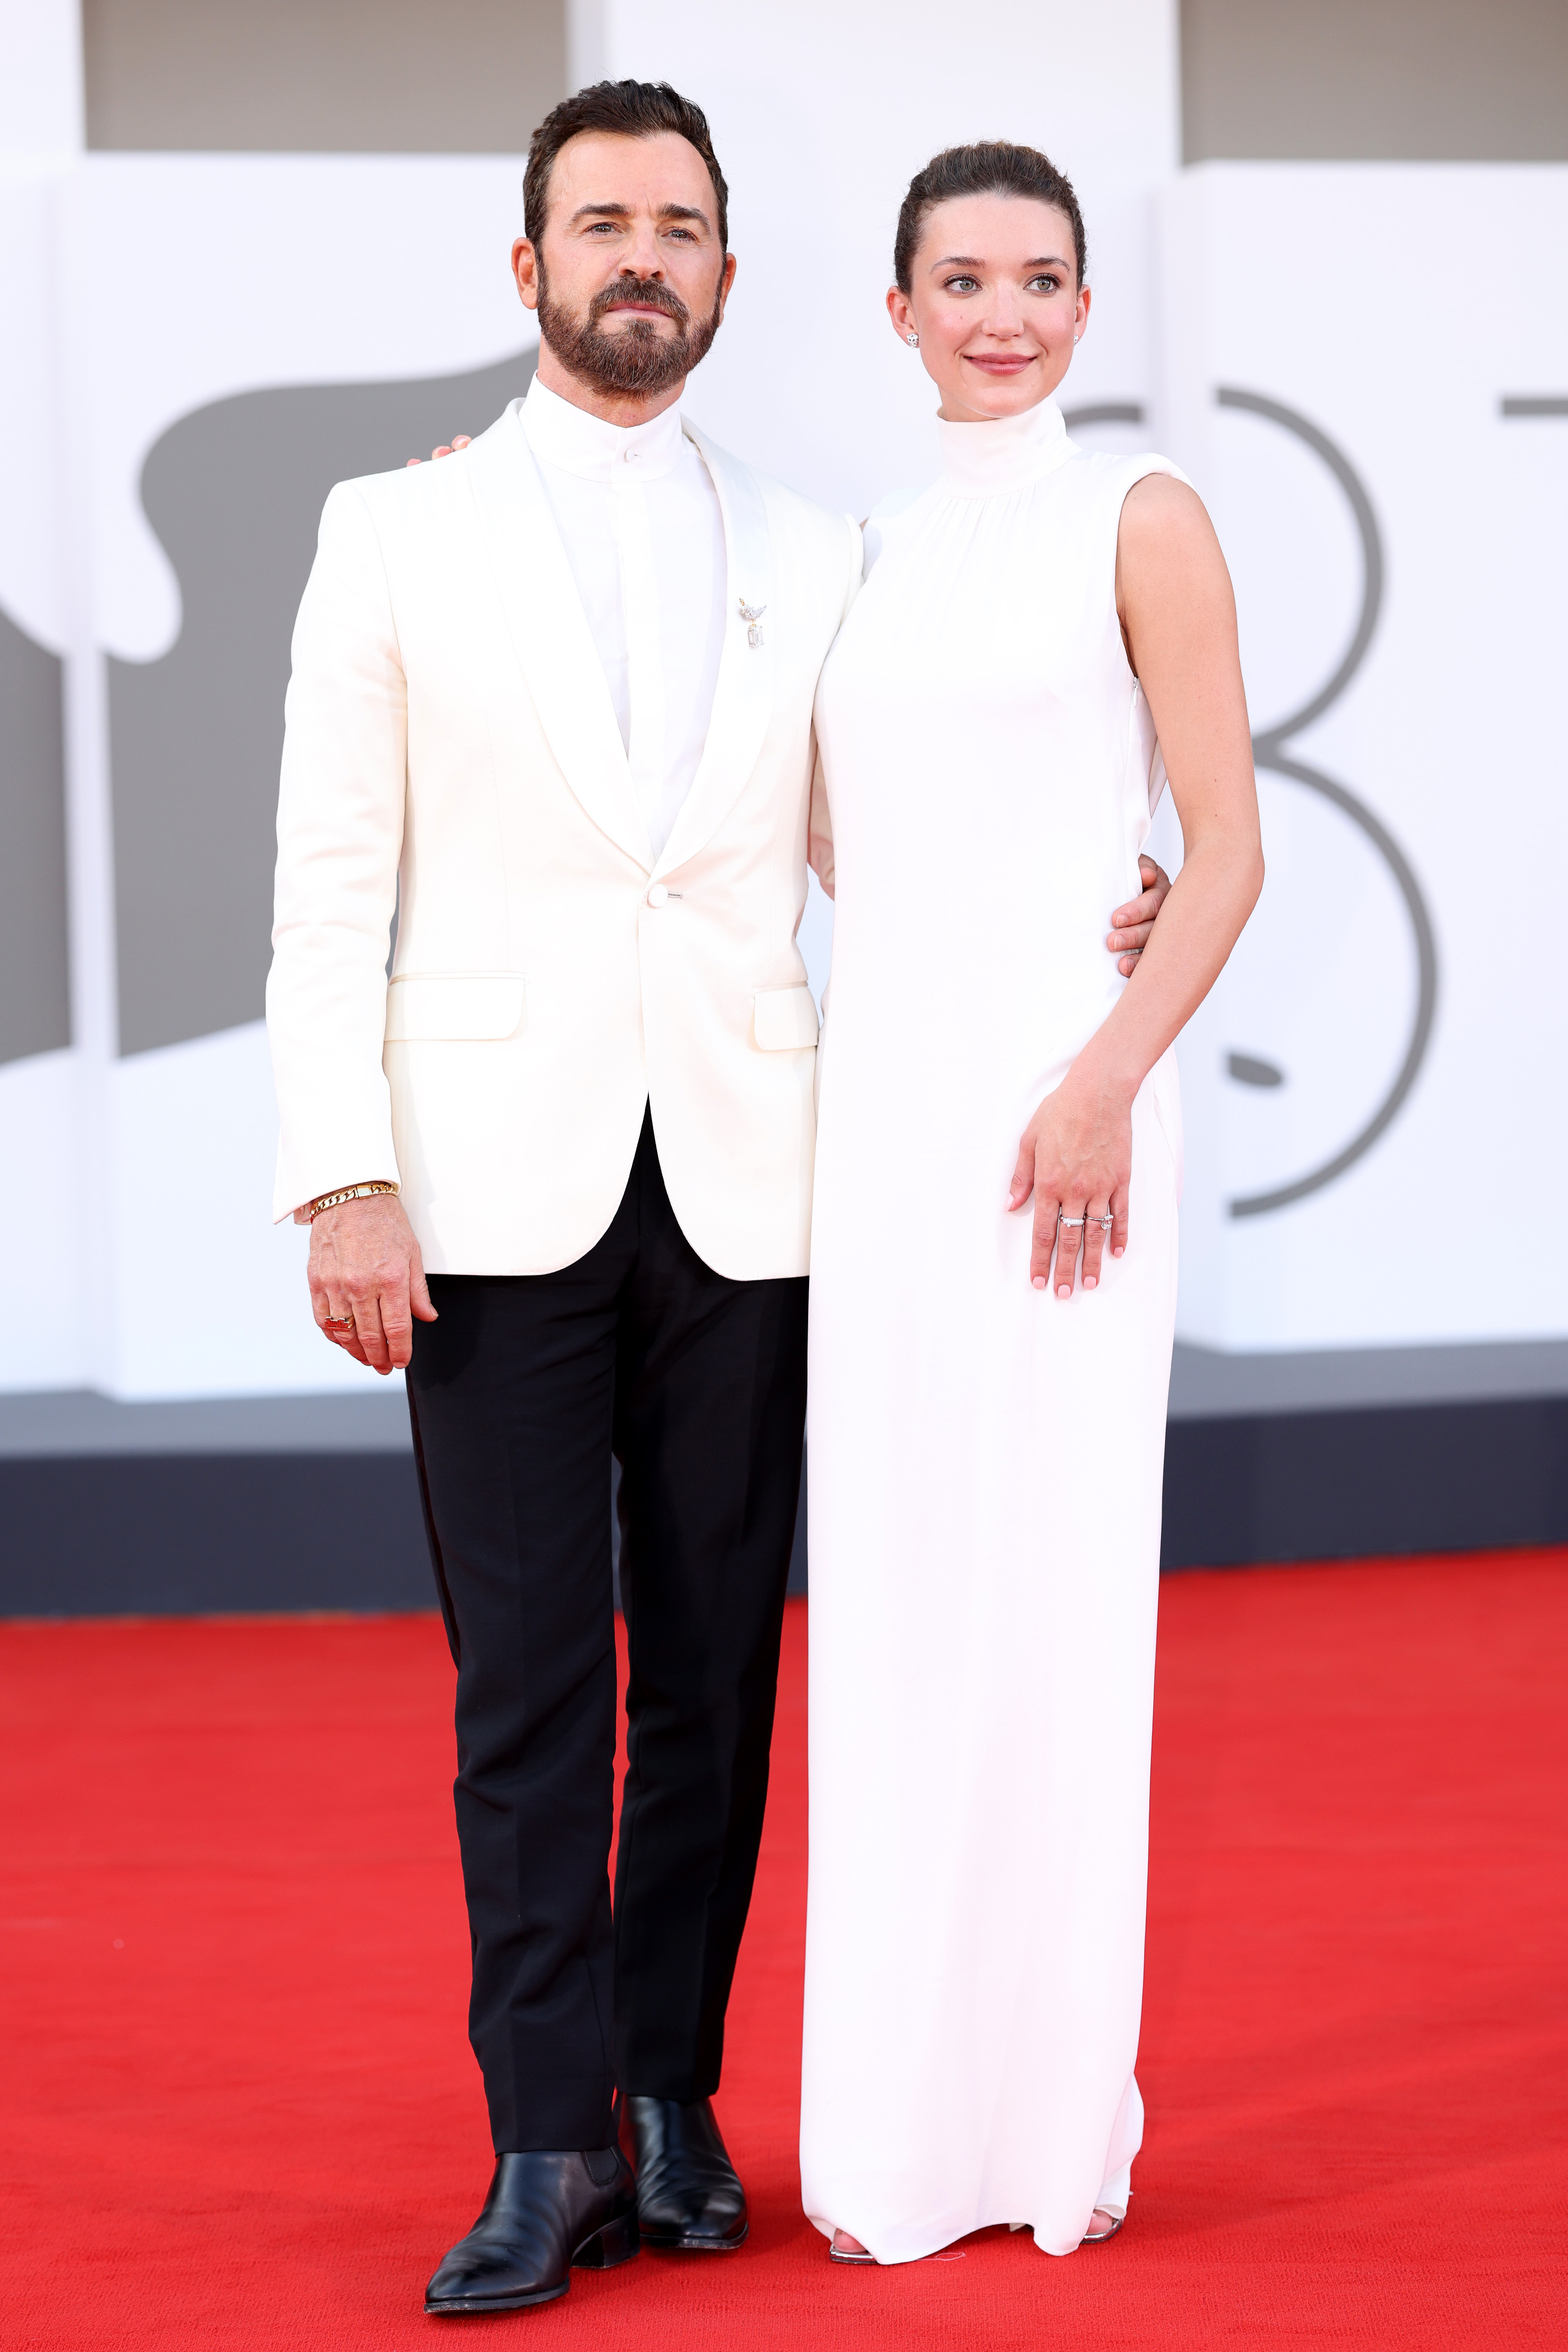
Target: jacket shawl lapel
(549, 632)
(742, 702)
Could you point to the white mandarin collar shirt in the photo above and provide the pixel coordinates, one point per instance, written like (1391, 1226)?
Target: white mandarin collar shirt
(643, 533)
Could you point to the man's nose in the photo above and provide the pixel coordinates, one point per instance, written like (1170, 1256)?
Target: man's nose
(645, 260)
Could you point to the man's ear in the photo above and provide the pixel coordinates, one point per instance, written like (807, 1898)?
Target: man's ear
(725, 281)
(525, 270)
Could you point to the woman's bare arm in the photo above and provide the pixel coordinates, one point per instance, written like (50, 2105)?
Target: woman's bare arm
(1179, 619)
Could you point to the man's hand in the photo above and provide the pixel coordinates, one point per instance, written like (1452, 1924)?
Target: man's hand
(1130, 924)
(367, 1281)
(460, 442)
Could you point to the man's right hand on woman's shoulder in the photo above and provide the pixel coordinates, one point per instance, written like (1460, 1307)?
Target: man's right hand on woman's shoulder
(461, 442)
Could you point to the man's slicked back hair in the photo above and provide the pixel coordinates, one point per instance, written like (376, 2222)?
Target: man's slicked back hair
(631, 109)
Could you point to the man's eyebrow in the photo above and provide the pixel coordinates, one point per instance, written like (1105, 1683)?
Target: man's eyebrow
(623, 211)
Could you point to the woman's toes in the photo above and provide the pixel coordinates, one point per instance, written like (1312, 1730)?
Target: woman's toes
(845, 2244)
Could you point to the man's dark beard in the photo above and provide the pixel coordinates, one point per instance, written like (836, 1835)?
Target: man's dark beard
(638, 356)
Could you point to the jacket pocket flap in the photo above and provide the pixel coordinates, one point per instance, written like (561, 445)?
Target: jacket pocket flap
(432, 1004)
(784, 1019)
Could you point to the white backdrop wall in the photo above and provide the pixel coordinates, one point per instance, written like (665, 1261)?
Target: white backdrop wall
(822, 112)
(153, 290)
(1338, 292)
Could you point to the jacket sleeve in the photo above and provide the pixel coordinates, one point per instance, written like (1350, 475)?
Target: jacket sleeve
(340, 839)
(819, 830)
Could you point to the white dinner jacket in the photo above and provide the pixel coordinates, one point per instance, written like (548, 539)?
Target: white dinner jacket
(451, 750)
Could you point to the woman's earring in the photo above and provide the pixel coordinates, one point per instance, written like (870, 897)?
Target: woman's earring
(911, 339)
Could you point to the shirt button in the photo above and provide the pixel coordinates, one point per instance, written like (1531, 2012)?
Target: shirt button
(657, 894)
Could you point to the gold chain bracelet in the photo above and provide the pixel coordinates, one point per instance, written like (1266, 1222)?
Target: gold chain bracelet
(350, 1193)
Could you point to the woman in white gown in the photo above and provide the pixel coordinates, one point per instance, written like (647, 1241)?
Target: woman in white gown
(990, 1365)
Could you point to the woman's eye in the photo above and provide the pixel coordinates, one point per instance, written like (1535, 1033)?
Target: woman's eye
(962, 285)
(1044, 284)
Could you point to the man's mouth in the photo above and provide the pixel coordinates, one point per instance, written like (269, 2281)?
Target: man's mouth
(630, 300)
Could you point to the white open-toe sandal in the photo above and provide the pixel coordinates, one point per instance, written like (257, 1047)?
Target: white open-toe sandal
(851, 2251)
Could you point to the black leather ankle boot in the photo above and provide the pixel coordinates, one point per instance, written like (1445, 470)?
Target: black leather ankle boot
(547, 2209)
(689, 2197)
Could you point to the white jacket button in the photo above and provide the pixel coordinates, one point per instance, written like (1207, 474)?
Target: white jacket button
(657, 894)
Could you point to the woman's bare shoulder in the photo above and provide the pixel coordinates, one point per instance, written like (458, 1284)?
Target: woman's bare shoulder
(1159, 502)
(1168, 553)
(1163, 521)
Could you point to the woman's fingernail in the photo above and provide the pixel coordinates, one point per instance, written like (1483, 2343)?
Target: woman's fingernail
(1089, 1280)
(1118, 1252)
(1065, 1290)
(1038, 1280)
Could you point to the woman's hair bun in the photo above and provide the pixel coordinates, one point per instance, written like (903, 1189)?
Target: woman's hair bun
(990, 167)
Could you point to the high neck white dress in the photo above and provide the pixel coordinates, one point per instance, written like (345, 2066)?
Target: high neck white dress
(984, 1459)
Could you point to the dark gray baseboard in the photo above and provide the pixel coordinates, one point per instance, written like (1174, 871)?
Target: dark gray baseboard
(144, 1534)
(1486, 1474)
(160, 1535)
(243, 1505)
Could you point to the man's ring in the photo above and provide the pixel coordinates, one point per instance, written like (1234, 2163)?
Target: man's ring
(347, 1319)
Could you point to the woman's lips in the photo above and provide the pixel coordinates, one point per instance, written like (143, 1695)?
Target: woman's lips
(1000, 367)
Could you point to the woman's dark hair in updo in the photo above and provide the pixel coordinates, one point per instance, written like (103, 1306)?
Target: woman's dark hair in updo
(992, 167)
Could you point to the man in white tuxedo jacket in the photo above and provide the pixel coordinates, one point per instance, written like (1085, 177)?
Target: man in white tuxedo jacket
(552, 702)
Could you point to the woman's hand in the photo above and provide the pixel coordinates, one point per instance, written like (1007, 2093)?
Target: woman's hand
(446, 448)
(1075, 1160)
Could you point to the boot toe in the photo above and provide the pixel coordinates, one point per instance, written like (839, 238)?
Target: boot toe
(488, 2278)
(692, 2208)
(488, 2282)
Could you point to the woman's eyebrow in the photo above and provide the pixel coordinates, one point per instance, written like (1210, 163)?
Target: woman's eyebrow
(972, 261)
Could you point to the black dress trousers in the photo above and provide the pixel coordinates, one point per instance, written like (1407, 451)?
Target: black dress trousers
(518, 1393)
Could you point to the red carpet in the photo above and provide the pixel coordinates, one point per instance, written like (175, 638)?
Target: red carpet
(239, 2109)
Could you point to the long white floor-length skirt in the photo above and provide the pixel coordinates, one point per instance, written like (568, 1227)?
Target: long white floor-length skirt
(984, 1521)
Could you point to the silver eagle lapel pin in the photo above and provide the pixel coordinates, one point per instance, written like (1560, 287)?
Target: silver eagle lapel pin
(751, 617)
